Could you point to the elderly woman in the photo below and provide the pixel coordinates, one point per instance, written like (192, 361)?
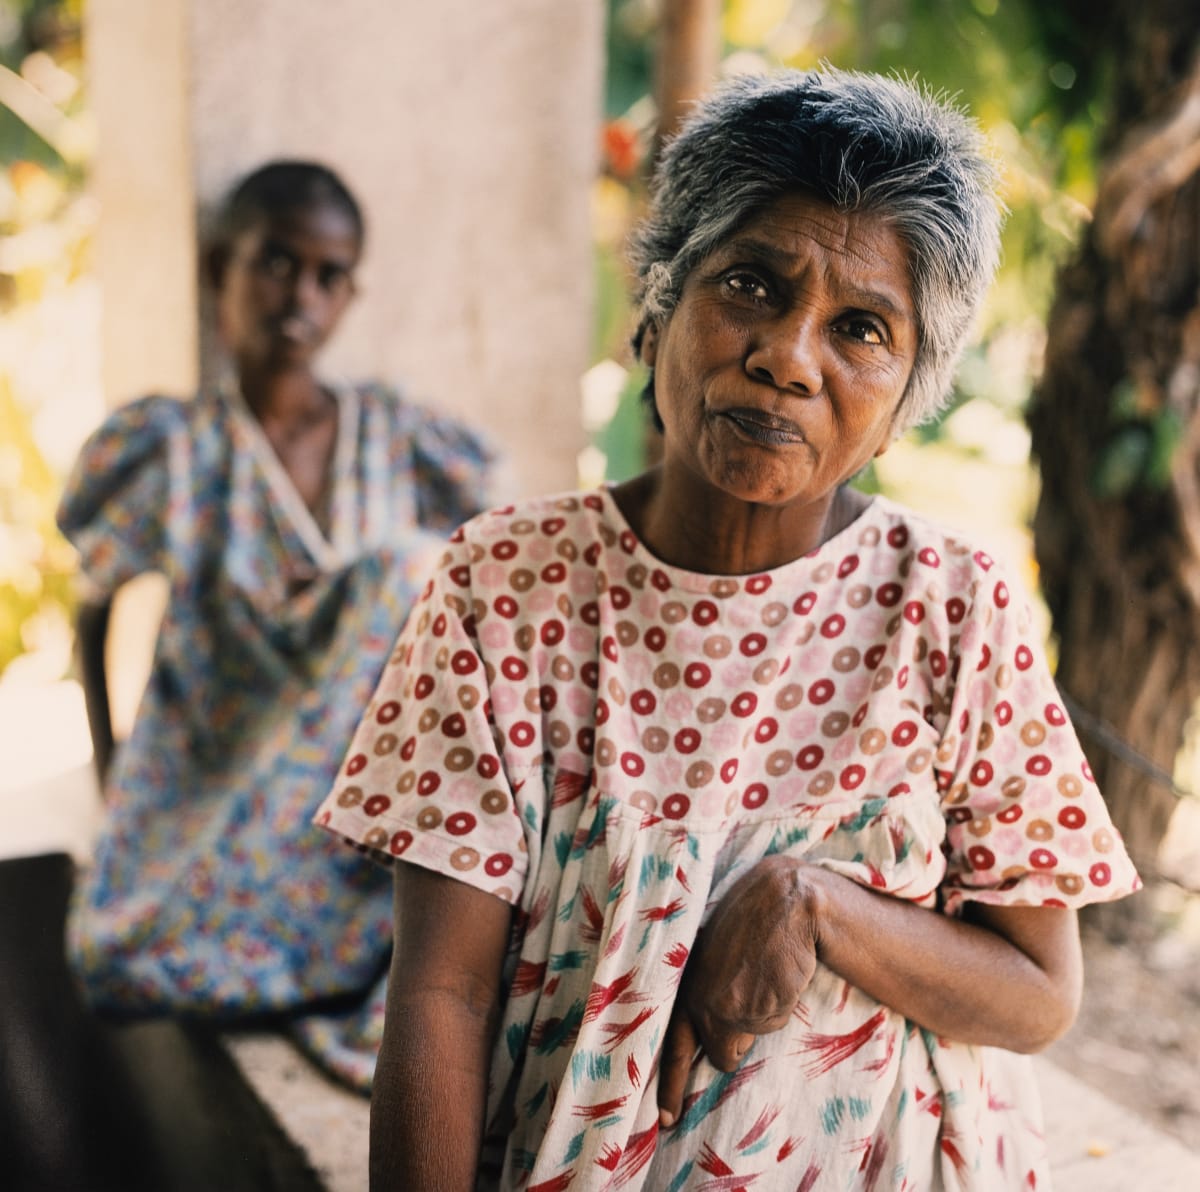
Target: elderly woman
(743, 828)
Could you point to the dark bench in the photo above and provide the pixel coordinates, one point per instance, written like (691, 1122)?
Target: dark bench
(92, 1106)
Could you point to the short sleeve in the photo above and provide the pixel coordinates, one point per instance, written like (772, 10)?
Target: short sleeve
(115, 501)
(454, 470)
(423, 779)
(1026, 824)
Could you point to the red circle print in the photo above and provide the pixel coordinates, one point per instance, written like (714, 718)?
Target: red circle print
(460, 823)
(643, 702)
(376, 805)
(753, 644)
(744, 703)
(356, 764)
(498, 864)
(810, 757)
(832, 626)
(429, 782)
(697, 674)
(821, 692)
(676, 806)
(889, 595)
(1072, 817)
(388, 712)
(399, 842)
(632, 764)
(755, 795)
(980, 857)
(852, 777)
(1100, 874)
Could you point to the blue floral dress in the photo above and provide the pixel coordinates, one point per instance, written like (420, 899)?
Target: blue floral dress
(210, 892)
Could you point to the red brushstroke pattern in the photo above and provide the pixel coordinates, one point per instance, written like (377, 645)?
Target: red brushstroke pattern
(832, 1050)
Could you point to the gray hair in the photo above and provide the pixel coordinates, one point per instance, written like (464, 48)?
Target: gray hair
(861, 142)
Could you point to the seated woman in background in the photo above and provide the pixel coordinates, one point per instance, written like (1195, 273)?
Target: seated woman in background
(294, 520)
(739, 825)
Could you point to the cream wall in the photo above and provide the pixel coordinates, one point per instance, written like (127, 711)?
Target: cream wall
(466, 127)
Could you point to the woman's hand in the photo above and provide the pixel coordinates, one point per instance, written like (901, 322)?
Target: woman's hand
(746, 972)
(1000, 976)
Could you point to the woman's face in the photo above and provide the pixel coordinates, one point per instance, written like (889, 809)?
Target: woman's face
(284, 285)
(778, 373)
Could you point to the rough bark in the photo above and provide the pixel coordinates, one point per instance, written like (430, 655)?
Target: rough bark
(1116, 428)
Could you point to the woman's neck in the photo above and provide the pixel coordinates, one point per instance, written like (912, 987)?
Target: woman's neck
(291, 401)
(730, 537)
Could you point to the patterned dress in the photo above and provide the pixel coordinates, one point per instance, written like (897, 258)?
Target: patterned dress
(210, 892)
(608, 743)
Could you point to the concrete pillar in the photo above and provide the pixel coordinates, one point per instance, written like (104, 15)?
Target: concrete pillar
(468, 131)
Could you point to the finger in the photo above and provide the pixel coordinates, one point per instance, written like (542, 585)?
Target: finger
(725, 1050)
(679, 1052)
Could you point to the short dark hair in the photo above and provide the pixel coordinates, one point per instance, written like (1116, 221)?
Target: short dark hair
(284, 185)
(861, 142)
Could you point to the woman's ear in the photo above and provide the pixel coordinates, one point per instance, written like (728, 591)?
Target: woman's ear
(214, 263)
(649, 352)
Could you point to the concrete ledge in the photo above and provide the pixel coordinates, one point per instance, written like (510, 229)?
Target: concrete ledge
(1095, 1144)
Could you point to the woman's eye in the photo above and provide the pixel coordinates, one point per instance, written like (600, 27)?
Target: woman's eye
(276, 265)
(866, 330)
(746, 285)
(333, 277)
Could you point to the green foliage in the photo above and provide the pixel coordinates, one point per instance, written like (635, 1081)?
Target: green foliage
(1029, 73)
(1140, 450)
(36, 565)
(45, 226)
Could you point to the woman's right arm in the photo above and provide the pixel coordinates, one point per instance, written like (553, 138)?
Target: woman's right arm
(429, 1096)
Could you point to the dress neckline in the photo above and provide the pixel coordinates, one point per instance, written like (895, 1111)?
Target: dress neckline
(332, 550)
(753, 582)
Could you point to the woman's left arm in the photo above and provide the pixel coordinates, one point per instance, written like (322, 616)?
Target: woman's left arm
(1002, 976)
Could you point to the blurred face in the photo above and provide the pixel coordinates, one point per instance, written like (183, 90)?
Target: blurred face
(778, 373)
(285, 285)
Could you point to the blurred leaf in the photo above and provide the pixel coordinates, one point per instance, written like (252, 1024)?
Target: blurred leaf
(1123, 462)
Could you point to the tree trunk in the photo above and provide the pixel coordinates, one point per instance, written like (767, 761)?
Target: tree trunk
(1116, 430)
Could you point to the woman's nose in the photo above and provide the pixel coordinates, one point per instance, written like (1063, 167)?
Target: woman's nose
(306, 289)
(786, 353)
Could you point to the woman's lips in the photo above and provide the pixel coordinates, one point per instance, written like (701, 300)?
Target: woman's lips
(296, 329)
(764, 427)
